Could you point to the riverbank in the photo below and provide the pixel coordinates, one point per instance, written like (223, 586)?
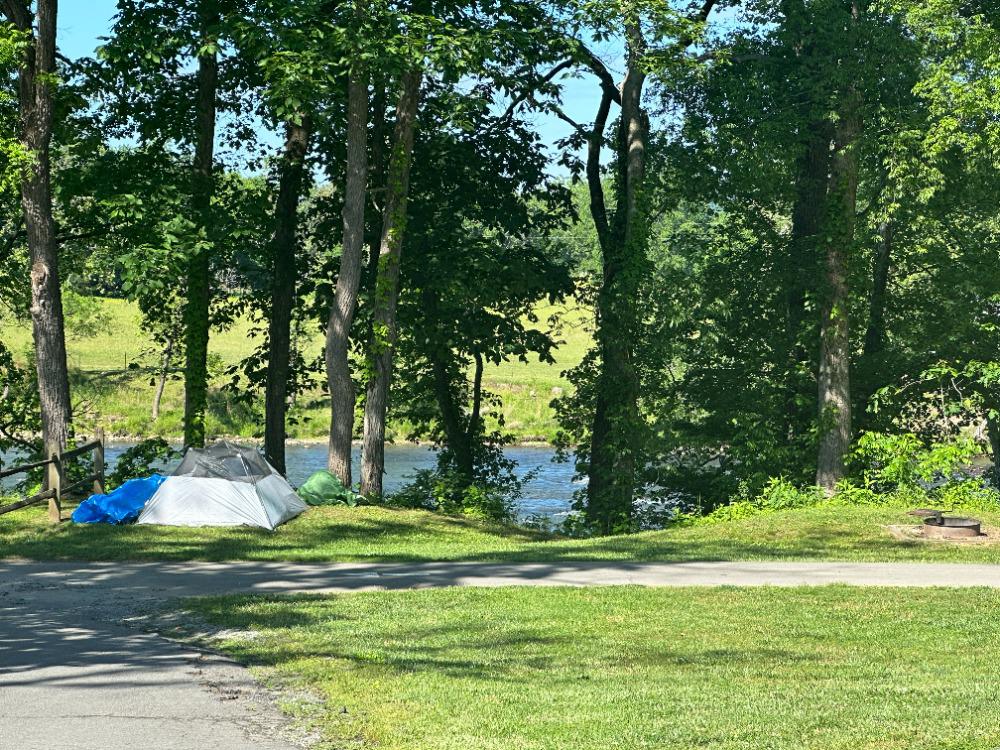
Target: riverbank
(114, 369)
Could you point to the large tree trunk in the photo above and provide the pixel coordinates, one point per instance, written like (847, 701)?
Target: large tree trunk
(616, 426)
(874, 344)
(835, 343)
(35, 86)
(199, 292)
(383, 338)
(376, 181)
(460, 430)
(803, 263)
(286, 215)
(875, 334)
(456, 432)
(345, 301)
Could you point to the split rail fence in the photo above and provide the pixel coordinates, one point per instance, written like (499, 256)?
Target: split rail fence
(58, 486)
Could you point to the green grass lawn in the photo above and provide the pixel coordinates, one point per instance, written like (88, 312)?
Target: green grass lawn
(112, 373)
(667, 669)
(379, 534)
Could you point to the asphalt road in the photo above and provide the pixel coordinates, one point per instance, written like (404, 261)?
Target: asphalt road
(79, 672)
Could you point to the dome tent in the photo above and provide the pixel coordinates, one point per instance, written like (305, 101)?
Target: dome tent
(223, 485)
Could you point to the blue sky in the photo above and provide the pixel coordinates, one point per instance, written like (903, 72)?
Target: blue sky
(82, 23)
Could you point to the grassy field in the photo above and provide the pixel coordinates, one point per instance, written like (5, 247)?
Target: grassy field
(588, 669)
(379, 534)
(112, 374)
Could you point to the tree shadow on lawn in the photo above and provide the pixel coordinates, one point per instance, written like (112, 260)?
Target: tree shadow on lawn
(324, 535)
(457, 651)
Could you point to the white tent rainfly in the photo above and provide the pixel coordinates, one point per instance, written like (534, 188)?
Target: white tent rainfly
(223, 485)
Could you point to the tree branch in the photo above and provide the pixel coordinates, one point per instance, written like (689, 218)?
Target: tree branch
(18, 14)
(598, 206)
(528, 93)
(600, 70)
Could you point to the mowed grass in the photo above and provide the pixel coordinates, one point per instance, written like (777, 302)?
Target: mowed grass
(113, 372)
(830, 668)
(371, 534)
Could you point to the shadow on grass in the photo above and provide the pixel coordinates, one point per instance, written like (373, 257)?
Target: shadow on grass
(383, 535)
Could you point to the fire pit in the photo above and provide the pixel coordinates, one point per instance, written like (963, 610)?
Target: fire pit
(951, 527)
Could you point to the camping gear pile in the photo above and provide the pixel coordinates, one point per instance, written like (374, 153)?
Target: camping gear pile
(323, 488)
(222, 485)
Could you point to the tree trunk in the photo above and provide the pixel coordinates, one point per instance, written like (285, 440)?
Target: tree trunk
(616, 426)
(345, 301)
(874, 344)
(803, 262)
(875, 334)
(376, 182)
(835, 344)
(199, 293)
(286, 215)
(456, 431)
(461, 431)
(35, 87)
(993, 432)
(161, 381)
(386, 294)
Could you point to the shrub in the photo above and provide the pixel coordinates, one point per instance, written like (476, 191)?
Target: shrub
(448, 491)
(140, 461)
(891, 462)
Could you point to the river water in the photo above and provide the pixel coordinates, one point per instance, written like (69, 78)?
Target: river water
(548, 493)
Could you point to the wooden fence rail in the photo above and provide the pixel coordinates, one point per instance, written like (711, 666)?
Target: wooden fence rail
(56, 478)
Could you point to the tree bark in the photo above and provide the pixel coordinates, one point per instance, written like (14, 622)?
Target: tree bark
(345, 301)
(615, 431)
(35, 86)
(286, 215)
(874, 344)
(811, 186)
(993, 432)
(875, 334)
(199, 292)
(376, 182)
(457, 437)
(380, 347)
(835, 345)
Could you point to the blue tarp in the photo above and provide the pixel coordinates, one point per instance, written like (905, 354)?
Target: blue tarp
(118, 506)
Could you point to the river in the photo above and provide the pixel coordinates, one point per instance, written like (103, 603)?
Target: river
(548, 493)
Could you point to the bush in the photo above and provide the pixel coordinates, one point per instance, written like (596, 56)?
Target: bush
(139, 460)
(448, 491)
(894, 462)
(896, 471)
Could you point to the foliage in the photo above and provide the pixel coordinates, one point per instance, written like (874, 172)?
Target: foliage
(904, 462)
(141, 460)
(492, 493)
(896, 470)
(20, 420)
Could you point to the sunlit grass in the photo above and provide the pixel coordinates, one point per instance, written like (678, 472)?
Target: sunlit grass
(380, 534)
(113, 376)
(628, 668)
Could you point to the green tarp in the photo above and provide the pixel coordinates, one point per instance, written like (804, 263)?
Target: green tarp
(323, 488)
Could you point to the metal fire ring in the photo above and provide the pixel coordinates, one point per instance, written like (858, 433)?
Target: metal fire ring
(951, 527)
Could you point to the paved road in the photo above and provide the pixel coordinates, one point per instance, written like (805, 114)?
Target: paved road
(75, 676)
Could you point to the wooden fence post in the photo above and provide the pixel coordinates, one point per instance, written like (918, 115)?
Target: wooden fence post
(55, 471)
(99, 462)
